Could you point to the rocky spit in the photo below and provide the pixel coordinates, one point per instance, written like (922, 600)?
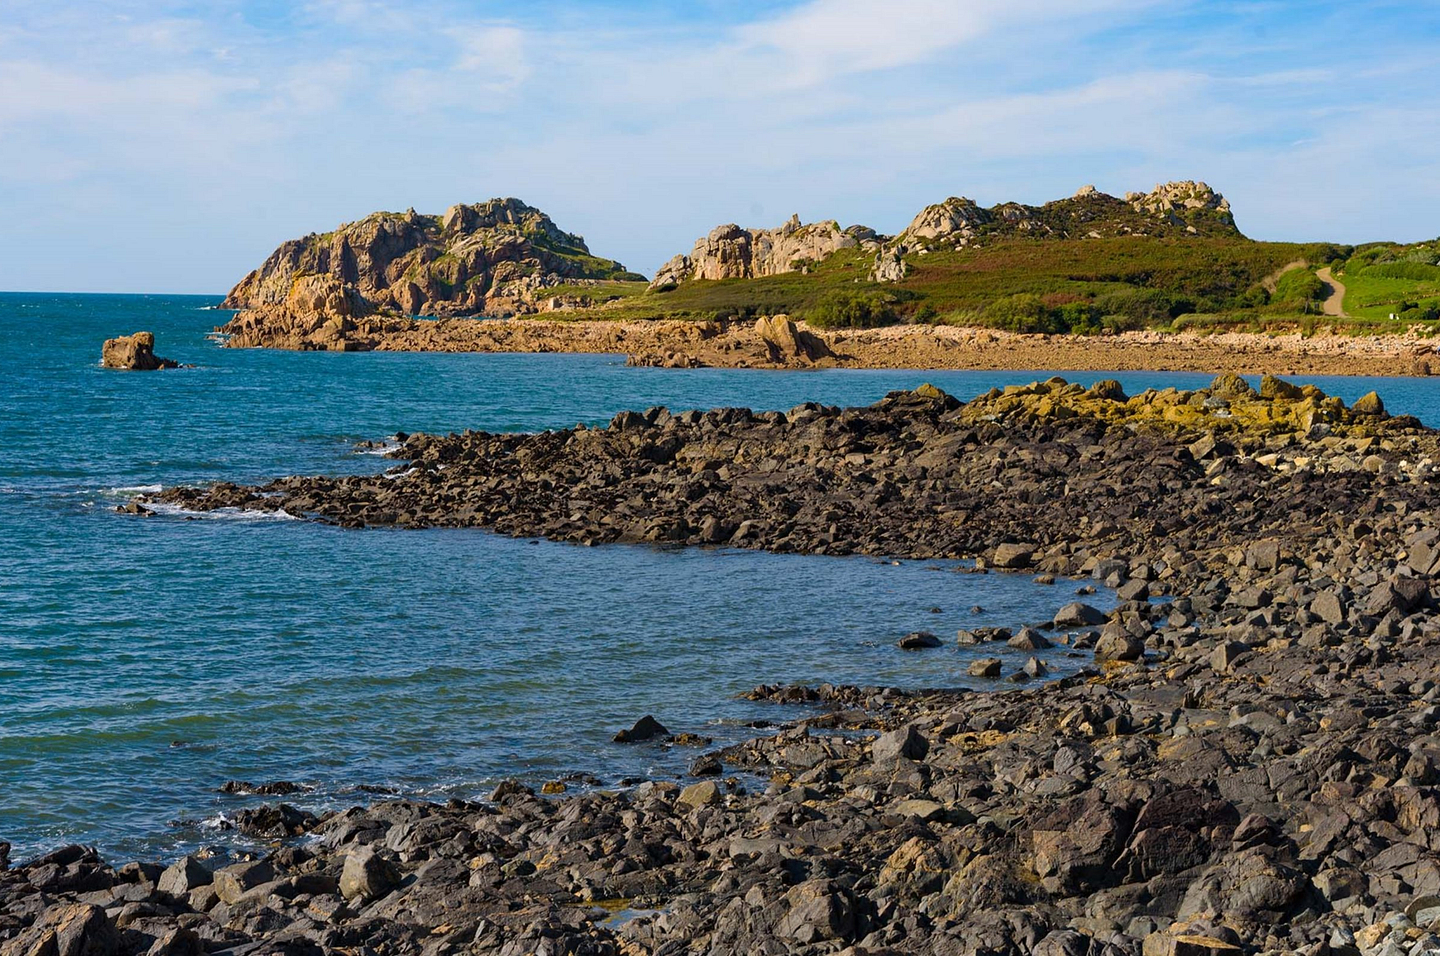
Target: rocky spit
(1249, 765)
(322, 314)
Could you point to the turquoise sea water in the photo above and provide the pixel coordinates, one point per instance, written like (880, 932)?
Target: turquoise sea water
(145, 662)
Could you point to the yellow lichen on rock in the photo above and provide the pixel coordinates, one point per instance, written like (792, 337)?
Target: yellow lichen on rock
(1228, 406)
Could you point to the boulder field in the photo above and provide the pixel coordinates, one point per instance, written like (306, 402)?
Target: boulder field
(1248, 763)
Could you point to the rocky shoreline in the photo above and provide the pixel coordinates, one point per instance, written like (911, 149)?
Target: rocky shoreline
(1251, 765)
(326, 320)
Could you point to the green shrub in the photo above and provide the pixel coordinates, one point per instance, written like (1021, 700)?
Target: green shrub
(1417, 271)
(852, 309)
(1141, 307)
(1023, 312)
(1298, 287)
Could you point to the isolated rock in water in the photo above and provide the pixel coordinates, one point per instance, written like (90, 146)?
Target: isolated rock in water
(918, 640)
(646, 728)
(135, 353)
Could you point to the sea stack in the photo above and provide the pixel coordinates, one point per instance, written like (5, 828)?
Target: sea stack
(134, 353)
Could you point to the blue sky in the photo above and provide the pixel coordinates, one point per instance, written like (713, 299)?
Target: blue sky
(169, 146)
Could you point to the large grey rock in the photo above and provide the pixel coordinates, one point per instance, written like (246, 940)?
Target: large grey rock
(1079, 614)
(184, 875)
(367, 875)
(905, 743)
(232, 881)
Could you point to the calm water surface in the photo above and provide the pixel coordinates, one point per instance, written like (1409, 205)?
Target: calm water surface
(145, 662)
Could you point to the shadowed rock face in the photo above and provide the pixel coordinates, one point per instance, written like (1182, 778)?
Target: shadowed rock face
(135, 353)
(492, 258)
(1258, 772)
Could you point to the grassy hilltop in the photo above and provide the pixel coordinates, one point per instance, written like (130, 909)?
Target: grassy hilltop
(1105, 273)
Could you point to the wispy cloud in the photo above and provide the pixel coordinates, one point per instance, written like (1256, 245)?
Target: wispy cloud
(218, 129)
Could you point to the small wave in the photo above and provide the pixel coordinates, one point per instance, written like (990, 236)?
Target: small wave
(380, 448)
(135, 490)
(169, 510)
(218, 822)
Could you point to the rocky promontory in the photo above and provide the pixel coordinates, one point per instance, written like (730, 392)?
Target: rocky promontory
(493, 258)
(1248, 764)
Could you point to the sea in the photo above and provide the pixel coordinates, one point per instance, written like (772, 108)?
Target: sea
(145, 662)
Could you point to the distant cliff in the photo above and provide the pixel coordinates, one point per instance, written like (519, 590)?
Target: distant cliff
(492, 258)
(1170, 209)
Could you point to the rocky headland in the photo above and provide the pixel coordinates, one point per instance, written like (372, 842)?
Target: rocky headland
(1249, 764)
(495, 258)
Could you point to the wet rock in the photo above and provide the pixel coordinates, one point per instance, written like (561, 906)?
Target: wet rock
(985, 667)
(1012, 556)
(918, 640)
(646, 728)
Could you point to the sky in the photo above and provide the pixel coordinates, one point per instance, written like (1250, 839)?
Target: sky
(168, 146)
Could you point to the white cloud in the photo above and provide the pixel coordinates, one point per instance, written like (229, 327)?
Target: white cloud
(643, 133)
(497, 52)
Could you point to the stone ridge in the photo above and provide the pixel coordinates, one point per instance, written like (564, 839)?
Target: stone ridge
(1169, 210)
(1184, 208)
(492, 258)
(1177, 209)
(891, 478)
(732, 252)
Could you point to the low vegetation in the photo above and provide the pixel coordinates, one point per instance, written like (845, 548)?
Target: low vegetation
(1385, 279)
(1087, 286)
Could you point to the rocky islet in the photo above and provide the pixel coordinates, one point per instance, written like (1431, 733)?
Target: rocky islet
(1250, 766)
(133, 353)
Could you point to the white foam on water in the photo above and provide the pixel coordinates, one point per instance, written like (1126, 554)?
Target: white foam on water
(383, 448)
(169, 510)
(135, 490)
